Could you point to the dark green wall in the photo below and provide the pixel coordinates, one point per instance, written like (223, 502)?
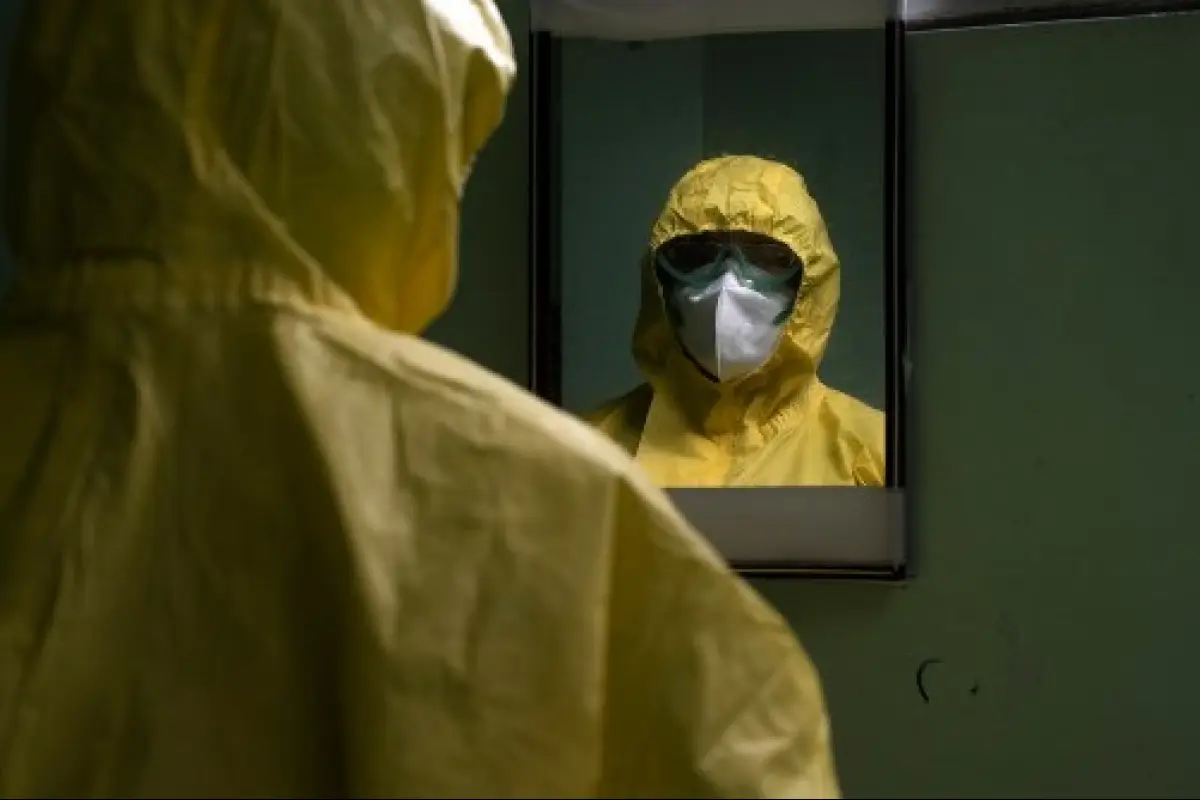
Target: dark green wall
(1056, 452)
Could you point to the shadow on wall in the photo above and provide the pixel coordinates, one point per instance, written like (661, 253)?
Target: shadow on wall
(10, 13)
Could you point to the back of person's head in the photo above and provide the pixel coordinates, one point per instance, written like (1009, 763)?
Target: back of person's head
(326, 139)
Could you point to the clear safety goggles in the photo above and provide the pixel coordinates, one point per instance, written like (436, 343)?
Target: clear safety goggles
(758, 261)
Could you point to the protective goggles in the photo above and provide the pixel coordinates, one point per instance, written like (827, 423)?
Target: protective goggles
(758, 261)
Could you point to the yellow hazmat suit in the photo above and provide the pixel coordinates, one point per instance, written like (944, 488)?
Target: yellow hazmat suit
(255, 544)
(779, 425)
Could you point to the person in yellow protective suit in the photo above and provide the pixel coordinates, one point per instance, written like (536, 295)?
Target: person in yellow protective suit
(258, 540)
(739, 293)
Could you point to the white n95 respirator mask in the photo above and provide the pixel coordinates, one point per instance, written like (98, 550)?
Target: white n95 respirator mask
(729, 328)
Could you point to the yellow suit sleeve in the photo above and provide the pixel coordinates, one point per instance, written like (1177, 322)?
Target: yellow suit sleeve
(710, 694)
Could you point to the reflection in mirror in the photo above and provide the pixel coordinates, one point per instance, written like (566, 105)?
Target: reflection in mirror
(710, 325)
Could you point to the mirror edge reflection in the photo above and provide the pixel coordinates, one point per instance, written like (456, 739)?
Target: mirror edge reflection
(812, 531)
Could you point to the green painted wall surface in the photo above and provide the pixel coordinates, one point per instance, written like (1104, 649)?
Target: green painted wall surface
(634, 118)
(1056, 451)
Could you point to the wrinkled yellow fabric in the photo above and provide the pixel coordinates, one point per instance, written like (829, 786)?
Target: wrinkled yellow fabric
(779, 425)
(256, 539)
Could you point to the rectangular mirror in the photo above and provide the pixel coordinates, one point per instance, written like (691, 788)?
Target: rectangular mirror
(717, 281)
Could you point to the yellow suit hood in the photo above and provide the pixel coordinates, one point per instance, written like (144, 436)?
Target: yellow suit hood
(338, 162)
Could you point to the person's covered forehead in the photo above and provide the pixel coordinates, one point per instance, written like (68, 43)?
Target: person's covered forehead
(739, 193)
(746, 195)
(729, 236)
(742, 184)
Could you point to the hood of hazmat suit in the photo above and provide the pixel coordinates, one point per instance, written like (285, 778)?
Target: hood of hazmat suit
(778, 425)
(256, 538)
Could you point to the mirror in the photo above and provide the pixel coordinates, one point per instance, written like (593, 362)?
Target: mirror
(716, 284)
